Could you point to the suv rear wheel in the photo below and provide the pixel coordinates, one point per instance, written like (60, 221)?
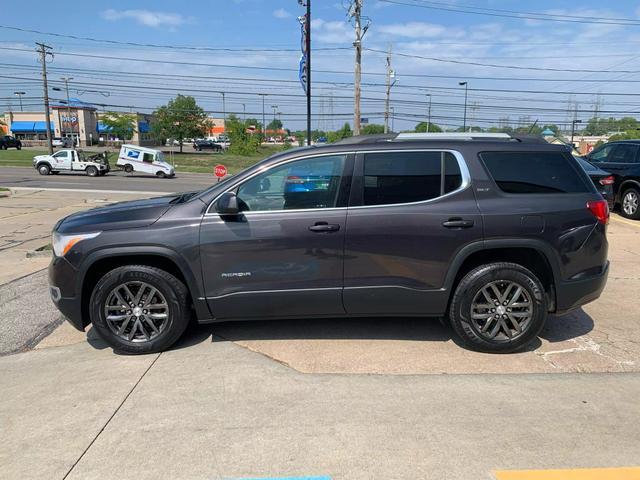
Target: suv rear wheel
(138, 309)
(499, 307)
(630, 203)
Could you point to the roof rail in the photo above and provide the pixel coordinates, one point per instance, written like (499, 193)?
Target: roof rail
(452, 136)
(366, 139)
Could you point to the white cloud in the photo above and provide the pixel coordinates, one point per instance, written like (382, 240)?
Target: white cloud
(146, 17)
(281, 13)
(412, 29)
(331, 32)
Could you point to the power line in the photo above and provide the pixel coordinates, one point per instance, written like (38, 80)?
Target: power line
(155, 45)
(492, 12)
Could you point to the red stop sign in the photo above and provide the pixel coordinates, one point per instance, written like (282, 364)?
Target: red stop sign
(220, 171)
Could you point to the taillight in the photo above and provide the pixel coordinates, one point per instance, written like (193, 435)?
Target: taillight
(607, 180)
(600, 210)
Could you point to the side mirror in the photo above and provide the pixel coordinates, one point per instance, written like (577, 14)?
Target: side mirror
(227, 204)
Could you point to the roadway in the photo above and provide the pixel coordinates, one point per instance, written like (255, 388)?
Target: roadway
(114, 181)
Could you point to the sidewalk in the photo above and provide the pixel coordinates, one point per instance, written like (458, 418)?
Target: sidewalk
(26, 220)
(215, 410)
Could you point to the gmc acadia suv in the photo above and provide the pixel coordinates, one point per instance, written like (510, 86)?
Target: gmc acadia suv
(489, 231)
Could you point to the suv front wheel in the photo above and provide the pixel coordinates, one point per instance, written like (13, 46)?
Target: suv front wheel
(139, 309)
(499, 308)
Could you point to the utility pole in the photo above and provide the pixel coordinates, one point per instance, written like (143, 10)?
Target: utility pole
(224, 112)
(356, 13)
(19, 95)
(66, 85)
(429, 113)
(45, 50)
(264, 125)
(390, 75)
(308, 65)
(466, 88)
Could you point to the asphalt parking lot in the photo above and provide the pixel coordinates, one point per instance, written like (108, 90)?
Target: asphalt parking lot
(365, 398)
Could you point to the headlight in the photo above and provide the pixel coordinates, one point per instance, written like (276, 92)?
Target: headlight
(63, 243)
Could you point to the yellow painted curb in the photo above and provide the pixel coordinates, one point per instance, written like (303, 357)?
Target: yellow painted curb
(625, 221)
(623, 473)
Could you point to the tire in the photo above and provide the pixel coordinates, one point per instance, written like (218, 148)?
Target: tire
(530, 311)
(3, 147)
(44, 169)
(19, 146)
(161, 175)
(92, 171)
(630, 204)
(171, 291)
(128, 168)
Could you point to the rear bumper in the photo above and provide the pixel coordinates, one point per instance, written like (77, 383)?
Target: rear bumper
(574, 294)
(62, 277)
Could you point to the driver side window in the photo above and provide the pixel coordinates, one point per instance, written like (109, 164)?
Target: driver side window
(60, 155)
(302, 184)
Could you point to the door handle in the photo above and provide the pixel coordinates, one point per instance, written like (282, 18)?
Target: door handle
(457, 223)
(324, 227)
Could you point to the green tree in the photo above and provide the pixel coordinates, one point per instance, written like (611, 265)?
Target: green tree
(180, 118)
(422, 127)
(344, 132)
(372, 129)
(241, 142)
(628, 135)
(274, 124)
(120, 125)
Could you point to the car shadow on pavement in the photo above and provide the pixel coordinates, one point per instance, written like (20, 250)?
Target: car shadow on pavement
(414, 329)
(565, 327)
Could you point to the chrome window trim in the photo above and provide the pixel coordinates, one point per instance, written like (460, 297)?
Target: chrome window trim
(464, 172)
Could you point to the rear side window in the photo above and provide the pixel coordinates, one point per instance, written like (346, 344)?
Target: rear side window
(534, 172)
(406, 177)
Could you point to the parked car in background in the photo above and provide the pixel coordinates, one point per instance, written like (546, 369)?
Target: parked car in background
(601, 179)
(7, 141)
(200, 145)
(491, 232)
(62, 142)
(622, 159)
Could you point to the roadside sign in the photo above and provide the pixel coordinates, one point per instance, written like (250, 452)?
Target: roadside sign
(220, 171)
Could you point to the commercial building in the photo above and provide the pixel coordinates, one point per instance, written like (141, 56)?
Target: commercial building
(79, 120)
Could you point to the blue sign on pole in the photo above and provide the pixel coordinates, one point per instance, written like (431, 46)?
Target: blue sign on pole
(302, 72)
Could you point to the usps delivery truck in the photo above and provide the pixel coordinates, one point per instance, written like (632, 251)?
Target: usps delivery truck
(133, 158)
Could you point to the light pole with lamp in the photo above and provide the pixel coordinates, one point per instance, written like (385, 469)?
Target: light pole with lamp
(19, 95)
(466, 88)
(573, 130)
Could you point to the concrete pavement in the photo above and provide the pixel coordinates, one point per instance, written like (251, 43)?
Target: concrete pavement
(214, 410)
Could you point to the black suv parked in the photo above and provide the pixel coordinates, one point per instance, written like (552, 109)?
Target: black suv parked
(7, 141)
(493, 233)
(207, 145)
(622, 159)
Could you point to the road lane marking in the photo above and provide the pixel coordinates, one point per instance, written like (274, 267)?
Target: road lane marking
(88, 190)
(623, 473)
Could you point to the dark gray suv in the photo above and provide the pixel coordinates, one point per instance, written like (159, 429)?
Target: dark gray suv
(489, 231)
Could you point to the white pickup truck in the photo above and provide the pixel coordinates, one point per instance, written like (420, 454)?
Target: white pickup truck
(70, 160)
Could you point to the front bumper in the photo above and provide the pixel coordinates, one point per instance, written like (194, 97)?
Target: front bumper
(62, 278)
(574, 294)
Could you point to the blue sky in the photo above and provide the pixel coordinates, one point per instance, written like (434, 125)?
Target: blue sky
(497, 93)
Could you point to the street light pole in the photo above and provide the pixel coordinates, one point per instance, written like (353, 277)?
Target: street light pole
(19, 95)
(573, 130)
(466, 87)
(66, 86)
(264, 125)
(429, 114)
